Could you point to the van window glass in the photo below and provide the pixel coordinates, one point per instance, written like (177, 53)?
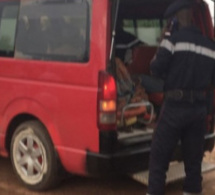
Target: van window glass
(9, 12)
(147, 30)
(54, 30)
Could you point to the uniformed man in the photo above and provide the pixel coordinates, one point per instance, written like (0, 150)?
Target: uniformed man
(186, 62)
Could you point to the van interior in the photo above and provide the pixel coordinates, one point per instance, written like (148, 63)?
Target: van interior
(138, 109)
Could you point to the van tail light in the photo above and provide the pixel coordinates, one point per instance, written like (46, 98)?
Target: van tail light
(106, 102)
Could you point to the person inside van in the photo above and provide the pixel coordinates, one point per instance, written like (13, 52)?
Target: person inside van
(69, 42)
(32, 37)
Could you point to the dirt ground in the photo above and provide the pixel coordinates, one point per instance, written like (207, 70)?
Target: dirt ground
(210, 157)
(9, 184)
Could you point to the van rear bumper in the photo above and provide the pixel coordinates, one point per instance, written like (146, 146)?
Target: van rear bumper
(128, 161)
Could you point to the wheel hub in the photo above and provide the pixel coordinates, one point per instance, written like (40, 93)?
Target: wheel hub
(29, 157)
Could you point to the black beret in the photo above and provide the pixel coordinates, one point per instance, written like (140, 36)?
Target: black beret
(176, 6)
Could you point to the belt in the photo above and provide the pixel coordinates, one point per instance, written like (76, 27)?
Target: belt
(185, 95)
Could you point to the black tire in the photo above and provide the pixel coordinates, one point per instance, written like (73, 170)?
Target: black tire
(33, 156)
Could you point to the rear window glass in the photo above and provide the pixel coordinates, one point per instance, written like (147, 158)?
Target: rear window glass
(54, 30)
(146, 30)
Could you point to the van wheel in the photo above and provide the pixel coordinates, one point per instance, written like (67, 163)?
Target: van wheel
(33, 157)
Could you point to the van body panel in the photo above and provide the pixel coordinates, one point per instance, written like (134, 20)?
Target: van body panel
(62, 95)
(73, 160)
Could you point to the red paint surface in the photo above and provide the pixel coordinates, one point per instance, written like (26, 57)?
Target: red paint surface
(63, 96)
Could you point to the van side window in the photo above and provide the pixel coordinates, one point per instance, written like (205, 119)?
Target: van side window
(54, 30)
(8, 20)
(146, 30)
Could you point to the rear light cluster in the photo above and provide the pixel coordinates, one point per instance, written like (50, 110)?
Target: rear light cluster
(106, 105)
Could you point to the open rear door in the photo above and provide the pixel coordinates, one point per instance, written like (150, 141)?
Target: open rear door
(204, 19)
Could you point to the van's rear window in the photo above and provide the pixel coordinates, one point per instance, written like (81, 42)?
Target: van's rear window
(53, 30)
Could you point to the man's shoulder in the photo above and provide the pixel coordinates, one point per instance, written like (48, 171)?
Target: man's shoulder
(192, 35)
(207, 42)
(210, 41)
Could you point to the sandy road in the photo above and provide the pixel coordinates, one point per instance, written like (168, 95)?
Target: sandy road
(9, 185)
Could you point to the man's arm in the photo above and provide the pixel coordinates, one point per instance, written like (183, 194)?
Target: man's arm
(160, 63)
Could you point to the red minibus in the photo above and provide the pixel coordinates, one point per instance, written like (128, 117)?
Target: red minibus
(59, 94)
